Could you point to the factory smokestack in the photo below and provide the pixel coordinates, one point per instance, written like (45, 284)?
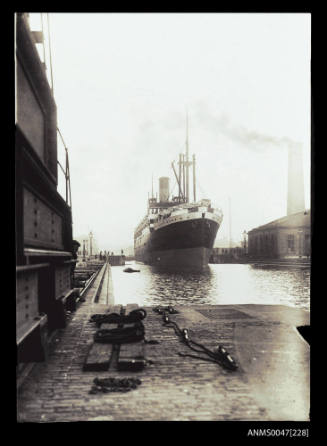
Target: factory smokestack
(164, 189)
(295, 192)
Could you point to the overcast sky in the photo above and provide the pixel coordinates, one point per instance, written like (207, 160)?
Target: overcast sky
(122, 84)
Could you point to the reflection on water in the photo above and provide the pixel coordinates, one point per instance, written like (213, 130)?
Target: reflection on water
(219, 284)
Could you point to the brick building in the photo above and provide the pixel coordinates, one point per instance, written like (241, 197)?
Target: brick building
(287, 237)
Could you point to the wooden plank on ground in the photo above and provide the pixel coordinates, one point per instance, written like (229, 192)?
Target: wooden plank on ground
(132, 351)
(98, 358)
(131, 356)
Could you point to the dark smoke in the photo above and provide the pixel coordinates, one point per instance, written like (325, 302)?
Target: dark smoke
(249, 138)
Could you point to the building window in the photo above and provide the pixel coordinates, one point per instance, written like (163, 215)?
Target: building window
(290, 242)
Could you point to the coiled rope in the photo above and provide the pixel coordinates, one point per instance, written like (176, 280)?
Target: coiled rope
(121, 334)
(106, 385)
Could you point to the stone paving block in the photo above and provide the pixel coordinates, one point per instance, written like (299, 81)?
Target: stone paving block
(173, 388)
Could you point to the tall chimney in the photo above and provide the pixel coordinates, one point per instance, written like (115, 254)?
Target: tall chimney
(295, 192)
(163, 189)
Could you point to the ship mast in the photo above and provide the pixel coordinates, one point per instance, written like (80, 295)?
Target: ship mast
(152, 187)
(194, 188)
(180, 177)
(187, 163)
(183, 178)
(177, 179)
(183, 174)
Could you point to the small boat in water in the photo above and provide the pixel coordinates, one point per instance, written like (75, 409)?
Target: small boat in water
(131, 270)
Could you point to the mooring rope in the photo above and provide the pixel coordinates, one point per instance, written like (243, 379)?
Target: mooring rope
(162, 310)
(219, 355)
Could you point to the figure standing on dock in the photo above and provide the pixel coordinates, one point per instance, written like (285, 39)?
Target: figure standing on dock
(75, 247)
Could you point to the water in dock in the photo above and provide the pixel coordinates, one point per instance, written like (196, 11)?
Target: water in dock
(220, 284)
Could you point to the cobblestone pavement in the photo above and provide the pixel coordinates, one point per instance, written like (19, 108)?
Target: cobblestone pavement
(173, 388)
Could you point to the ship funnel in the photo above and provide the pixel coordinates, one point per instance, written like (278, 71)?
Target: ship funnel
(164, 189)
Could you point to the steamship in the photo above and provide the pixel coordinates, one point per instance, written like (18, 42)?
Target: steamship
(177, 233)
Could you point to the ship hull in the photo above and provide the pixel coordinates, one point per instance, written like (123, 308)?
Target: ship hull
(184, 245)
(180, 259)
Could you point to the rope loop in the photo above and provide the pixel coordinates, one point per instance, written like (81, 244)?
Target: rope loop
(114, 318)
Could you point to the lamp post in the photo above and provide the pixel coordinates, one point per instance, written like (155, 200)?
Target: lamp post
(91, 237)
(84, 250)
(244, 240)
